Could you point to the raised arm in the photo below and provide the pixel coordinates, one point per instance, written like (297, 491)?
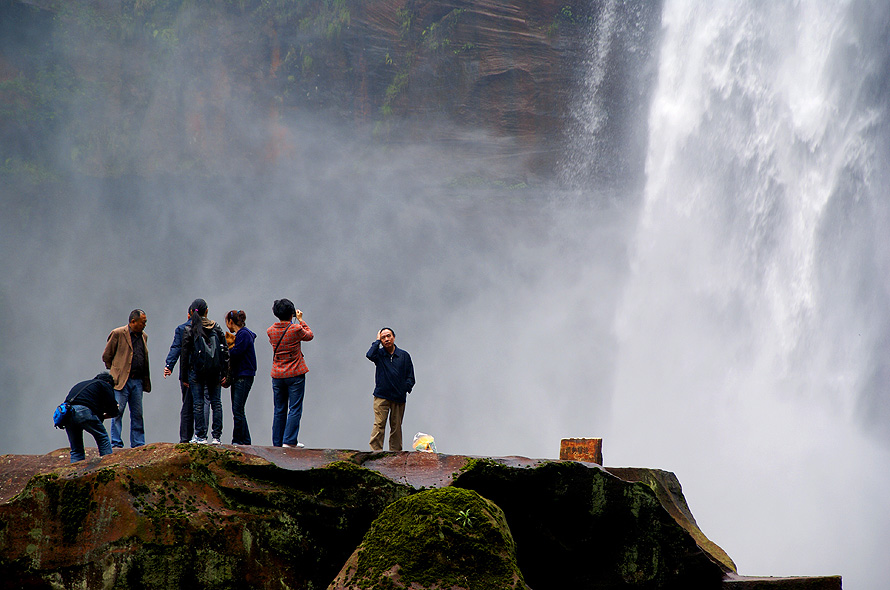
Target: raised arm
(374, 351)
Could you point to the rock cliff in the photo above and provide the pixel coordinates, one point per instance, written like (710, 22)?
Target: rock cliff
(155, 86)
(175, 516)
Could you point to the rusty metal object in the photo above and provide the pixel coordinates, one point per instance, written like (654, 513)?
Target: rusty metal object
(581, 449)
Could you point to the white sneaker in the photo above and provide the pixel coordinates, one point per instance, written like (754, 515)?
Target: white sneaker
(300, 445)
(215, 441)
(194, 440)
(201, 441)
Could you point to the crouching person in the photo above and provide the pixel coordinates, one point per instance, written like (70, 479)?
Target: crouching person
(91, 402)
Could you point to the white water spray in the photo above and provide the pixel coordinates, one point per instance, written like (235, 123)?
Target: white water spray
(743, 361)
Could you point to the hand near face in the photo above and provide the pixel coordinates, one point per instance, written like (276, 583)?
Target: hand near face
(299, 315)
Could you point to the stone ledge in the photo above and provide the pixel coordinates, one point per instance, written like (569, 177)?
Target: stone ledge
(736, 582)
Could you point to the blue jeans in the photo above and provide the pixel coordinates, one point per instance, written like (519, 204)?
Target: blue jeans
(287, 397)
(201, 389)
(187, 413)
(240, 390)
(130, 394)
(83, 419)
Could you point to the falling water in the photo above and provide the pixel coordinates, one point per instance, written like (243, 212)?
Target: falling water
(753, 329)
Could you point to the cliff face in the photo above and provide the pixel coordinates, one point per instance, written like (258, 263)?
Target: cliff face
(166, 85)
(179, 516)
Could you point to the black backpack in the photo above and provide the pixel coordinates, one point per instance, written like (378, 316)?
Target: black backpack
(207, 358)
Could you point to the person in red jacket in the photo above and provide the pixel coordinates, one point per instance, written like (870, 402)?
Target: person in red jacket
(288, 372)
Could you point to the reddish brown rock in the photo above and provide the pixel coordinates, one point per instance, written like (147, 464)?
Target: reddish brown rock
(179, 516)
(173, 86)
(173, 516)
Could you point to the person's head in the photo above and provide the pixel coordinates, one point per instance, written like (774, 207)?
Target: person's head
(137, 321)
(106, 377)
(235, 319)
(197, 310)
(387, 337)
(284, 309)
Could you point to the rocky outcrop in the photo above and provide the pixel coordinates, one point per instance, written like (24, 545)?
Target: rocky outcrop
(173, 516)
(189, 516)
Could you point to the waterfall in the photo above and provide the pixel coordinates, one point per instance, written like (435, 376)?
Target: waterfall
(755, 322)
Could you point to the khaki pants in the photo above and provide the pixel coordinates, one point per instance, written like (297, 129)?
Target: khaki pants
(396, 412)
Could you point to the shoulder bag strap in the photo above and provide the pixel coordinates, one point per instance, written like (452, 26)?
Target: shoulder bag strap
(77, 395)
(274, 352)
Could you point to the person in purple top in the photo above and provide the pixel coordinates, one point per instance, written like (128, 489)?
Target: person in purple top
(242, 366)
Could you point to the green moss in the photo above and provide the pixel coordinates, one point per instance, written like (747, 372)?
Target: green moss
(440, 538)
(479, 463)
(438, 35)
(71, 501)
(569, 16)
(105, 476)
(405, 18)
(347, 466)
(330, 19)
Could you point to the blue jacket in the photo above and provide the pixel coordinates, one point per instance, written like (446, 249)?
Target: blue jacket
(242, 355)
(394, 378)
(176, 349)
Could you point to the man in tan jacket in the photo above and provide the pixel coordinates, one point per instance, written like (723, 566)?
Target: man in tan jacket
(126, 357)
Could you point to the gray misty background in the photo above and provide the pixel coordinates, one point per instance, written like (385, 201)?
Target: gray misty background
(705, 286)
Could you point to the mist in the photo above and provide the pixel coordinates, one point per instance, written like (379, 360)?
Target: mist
(701, 282)
(754, 319)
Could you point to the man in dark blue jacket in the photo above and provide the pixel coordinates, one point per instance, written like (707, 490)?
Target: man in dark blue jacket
(186, 413)
(394, 380)
(91, 402)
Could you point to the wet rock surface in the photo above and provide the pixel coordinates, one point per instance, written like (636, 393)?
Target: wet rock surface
(174, 516)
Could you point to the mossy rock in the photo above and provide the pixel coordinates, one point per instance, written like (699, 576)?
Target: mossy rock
(188, 516)
(578, 527)
(446, 538)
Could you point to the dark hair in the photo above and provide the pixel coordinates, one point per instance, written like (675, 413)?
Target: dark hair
(106, 377)
(390, 329)
(136, 314)
(284, 309)
(197, 309)
(238, 317)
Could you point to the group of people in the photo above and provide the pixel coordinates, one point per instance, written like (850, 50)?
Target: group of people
(211, 359)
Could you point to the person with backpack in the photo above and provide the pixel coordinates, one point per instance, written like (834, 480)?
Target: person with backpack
(288, 372)
(91, 402)
(242, 356)
(205, 359)
(186, 417)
